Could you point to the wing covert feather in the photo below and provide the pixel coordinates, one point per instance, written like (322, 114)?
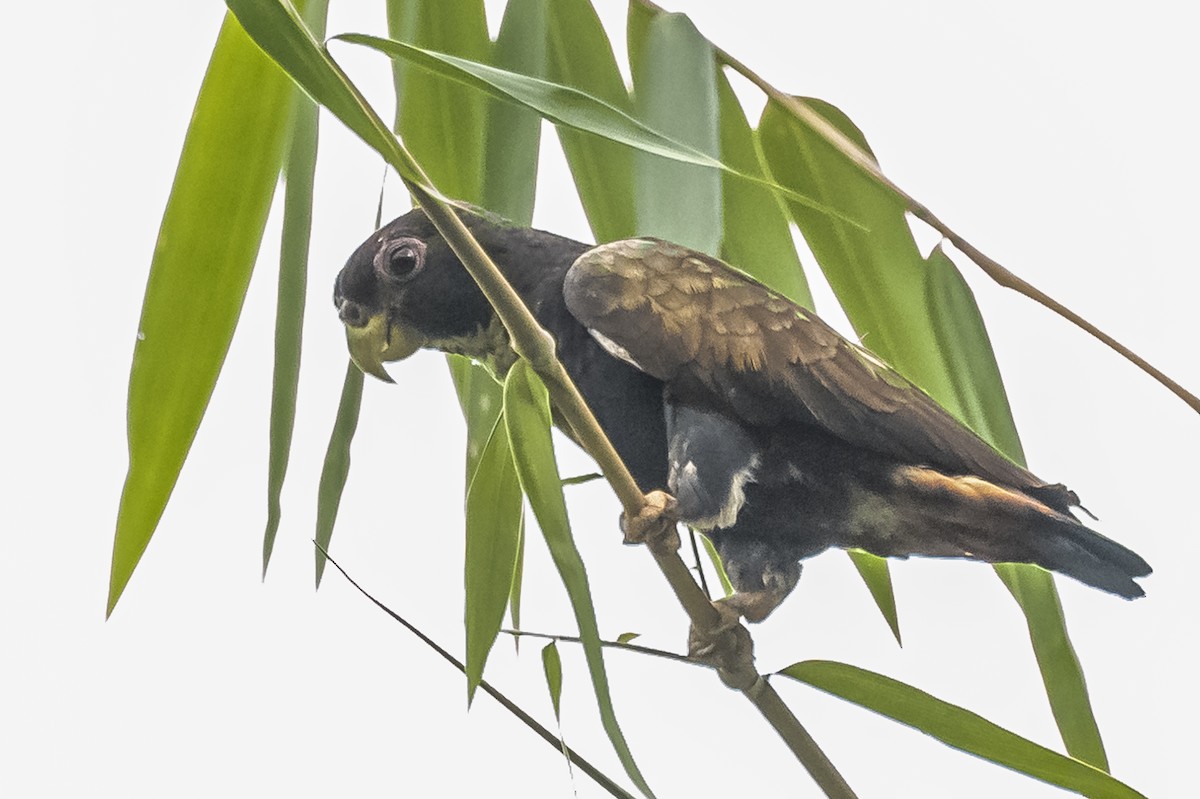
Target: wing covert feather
(720, 338)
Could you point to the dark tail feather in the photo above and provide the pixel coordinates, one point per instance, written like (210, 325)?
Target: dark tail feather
(1067, 546)
(941, 516)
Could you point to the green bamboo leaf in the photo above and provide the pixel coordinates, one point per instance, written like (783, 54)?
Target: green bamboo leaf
(1034, 590)
(580, 55)
(981, 399)
(336, 467)
(756, 236)
(480, 399)
(276, 27)
(638, 18)
(527, 413)
(722, 575)
(552, 666)
(881, 281)
(878, 578)
(675, 92)
(957, 727)
(625, 638)
(963, 341)
(758, 239)
(518, 579)
(564, 105)
(207, 244)
(878, 273)
(441, 121)
(493, 531)
(513, 134)
(580, 479)
(509, 182)
(298, 172)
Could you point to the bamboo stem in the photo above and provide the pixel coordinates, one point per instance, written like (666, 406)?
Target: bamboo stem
(802, 111)
(733, 648)
(810, 117)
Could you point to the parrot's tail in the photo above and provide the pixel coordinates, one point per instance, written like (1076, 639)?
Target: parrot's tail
(942, 516)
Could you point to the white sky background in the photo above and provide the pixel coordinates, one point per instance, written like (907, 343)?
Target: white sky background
(1058, 138)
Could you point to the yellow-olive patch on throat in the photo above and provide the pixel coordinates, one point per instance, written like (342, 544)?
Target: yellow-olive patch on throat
(376, 342)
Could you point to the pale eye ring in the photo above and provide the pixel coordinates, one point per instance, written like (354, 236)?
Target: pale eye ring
(401, 259)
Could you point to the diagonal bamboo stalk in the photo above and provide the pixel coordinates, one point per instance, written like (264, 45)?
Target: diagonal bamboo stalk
(280, 31)
(809, 116)
(733, 650)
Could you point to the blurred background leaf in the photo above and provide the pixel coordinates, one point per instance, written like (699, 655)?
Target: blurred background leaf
(884, 285)
(298, 173)
(207, 245)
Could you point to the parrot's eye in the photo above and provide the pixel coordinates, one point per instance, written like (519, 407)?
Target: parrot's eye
(401, 259)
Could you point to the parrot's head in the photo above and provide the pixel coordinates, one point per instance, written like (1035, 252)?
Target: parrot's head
(404, 289)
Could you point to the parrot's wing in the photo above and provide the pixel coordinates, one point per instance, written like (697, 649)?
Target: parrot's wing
(718, 338)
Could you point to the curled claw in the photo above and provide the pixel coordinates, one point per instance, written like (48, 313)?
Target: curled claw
(654, 524)
(727, 647)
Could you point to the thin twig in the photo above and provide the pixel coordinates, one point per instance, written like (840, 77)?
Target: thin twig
(550, 738)
(699, 563)
(643, 650)
(764, 697)
(990, 267)
(810, 117)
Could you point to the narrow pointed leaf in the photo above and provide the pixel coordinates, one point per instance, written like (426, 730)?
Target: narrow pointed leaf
(756, 236)
(276, 27)
(552, 666)
(877, 273)
(518, 579)
(441, 121)
(881, 281)
(480, 398)
(513, 133)
(561, 104)
(580, 479)
(493, 531)
(722, 575)
(957, 727)
(527, 413)
(878, 578)
(981, 400)
(625, 638)
(638, 18)
(336, 467)
(512, 139)
(675, 92)
(962, 339)
(298, 171)
(207, 244)
(564, 105)
(1062, 674)
(580, 55)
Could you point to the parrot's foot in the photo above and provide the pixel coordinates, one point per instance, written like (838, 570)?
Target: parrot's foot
(754, 606)
(727, 647)
(654, 525)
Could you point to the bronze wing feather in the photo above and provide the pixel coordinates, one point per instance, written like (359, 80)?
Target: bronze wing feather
(717, 337)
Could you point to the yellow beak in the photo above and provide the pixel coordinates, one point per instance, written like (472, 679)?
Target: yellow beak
(374, 343)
